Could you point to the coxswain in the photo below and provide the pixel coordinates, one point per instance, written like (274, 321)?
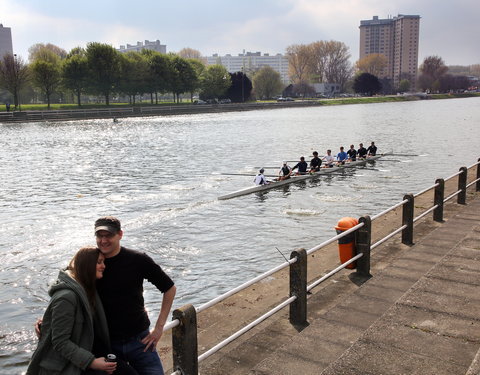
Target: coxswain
(301, 166)
(260, 178)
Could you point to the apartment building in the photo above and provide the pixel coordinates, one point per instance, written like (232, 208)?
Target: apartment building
(6, 46)
(252, 61)
(154, 46)
(397, 39)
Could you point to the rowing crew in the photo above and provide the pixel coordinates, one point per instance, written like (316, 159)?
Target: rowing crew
(316, 163)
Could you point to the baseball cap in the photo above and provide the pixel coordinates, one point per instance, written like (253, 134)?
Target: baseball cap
(109, 223)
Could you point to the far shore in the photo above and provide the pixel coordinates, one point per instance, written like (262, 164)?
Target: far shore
(36, 113)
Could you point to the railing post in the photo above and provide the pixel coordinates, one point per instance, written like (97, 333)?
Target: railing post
(478, 175)
(184, 341)
(462, 186)
(438, 200)
(363, 241)
(407, 219)
(298, 288)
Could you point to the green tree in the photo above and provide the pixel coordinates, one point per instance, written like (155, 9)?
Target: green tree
(103, 69)
(215, 82)
(366, 83)
(183, 76)
(160, 73)
(46, 73)
(74, 72)
(404, 85)
(267, 83)
(45, 52)
(14, 76)
(134, 72)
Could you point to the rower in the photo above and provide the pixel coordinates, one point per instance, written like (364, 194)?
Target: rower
(284, 172)
(328, 159)
(302, 166)
(372, 150)
(341, 156)
(352, 153)
(260, 178)
(315, 163)
(361, 152)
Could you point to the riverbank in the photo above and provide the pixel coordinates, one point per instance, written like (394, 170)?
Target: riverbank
(117, 112)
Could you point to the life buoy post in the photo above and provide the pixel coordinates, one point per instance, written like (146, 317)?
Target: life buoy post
(346, 245)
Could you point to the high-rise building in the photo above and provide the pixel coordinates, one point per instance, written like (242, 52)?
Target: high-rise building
(5, 41)
(397, 39)
(251, 61)
(154, 46)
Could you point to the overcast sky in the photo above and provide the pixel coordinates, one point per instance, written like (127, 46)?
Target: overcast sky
(448, 28)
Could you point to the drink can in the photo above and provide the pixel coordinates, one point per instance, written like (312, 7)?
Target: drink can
(111, 358)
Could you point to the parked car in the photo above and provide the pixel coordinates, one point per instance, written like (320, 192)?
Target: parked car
(199, 101)
(225, 101)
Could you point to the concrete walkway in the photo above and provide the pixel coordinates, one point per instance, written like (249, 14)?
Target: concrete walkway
(420, 315)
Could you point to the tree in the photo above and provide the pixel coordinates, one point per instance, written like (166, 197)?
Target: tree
(14, 75)
(303, 89)
(134, 71)
(374, 63)
(215, 82)
(190, 53)
(46, 76)
(241, 87)
(366, 83)
(404, 85)
(432, 69)
(74, 72)
(299, 62)
(338, 68)
(160, 73)
(42, 51)
(183, 76)
(103, 69)
(267, 83)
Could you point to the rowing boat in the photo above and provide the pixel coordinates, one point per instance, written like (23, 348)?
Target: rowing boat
(292, 179)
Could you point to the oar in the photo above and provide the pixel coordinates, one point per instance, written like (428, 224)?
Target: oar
(241, 174)
(403, 154)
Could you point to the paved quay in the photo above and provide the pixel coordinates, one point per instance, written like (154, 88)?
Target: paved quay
(420, 315)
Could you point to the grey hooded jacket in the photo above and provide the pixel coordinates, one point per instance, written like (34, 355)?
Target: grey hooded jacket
(67, 331)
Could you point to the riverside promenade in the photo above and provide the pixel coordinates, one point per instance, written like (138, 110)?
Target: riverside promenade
(418, 314)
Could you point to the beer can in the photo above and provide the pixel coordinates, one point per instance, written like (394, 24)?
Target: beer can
(111, 358)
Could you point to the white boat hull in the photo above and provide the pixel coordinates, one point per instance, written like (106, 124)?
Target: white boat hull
(293, 179)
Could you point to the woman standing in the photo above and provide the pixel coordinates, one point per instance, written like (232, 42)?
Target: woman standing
(74, 325)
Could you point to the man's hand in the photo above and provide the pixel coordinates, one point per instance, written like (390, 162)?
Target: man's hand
(152, 339)
(38, 325)
(102, 365)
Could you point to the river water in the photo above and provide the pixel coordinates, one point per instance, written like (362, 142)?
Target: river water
(161, 176)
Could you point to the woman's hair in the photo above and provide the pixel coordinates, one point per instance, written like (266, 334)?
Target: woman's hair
(83, 267)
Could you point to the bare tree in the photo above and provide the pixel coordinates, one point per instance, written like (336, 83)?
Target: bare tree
(433, 67)
(374, 63)
(190, 53)
(299, 62)
(338, 68)
(44, 52)
(14, 75)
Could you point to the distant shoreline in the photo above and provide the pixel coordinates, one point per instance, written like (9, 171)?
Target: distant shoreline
(117, 112)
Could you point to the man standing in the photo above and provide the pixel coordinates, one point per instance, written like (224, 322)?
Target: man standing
(121, 292)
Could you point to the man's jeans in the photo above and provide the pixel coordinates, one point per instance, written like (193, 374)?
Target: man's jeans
(132, 351)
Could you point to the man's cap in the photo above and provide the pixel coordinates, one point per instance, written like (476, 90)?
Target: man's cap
(262, 170)
(109, 223)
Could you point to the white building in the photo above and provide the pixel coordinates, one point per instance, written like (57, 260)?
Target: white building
(154, 46)
(252, 61)
(327, 89)
(5, 41)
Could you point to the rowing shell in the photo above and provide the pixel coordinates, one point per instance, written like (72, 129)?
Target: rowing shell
(292, 179)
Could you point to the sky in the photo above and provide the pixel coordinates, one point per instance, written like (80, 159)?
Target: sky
(448, 29)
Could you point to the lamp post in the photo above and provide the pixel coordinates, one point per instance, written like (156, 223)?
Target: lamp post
(243, 76)
(16, 73)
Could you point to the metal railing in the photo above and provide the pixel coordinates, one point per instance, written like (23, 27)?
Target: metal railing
(184, 323)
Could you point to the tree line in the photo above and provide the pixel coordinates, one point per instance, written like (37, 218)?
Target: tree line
(102, 71)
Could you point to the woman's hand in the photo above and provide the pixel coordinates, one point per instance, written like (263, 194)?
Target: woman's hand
(102, 365)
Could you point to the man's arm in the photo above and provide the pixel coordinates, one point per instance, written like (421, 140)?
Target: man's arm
(154, 336)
